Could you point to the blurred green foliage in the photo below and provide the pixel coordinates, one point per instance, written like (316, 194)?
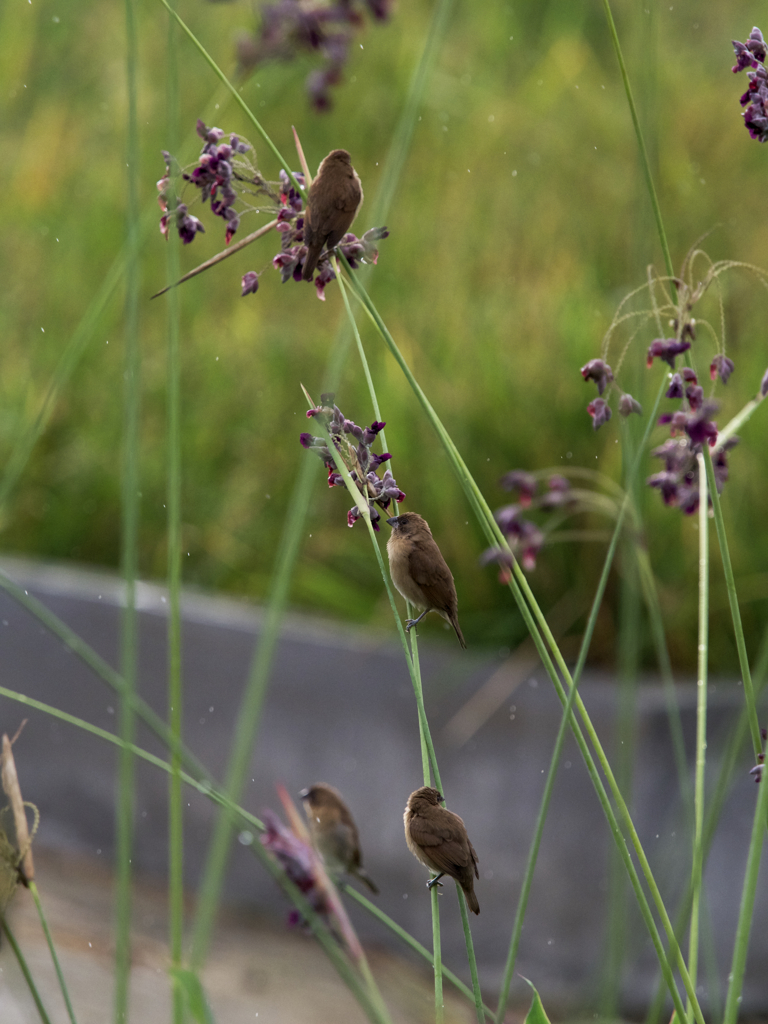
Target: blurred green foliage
(520, 223)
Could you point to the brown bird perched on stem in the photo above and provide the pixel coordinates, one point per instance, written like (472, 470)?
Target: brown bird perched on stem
(333, 831)
(419, 570)
(335, 196)
(437, 837)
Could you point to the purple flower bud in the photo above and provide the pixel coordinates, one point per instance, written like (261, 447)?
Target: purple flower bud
(721, 366)
(764, 385)
(666, 482)
(503, 559)
(250, 283)
(757, 771)
(187, 225)
(325, 277)
(600, 412)
(209, 134)
(598, 371)
(676, 387)
(695, 395)
(628, 405)
(522, 482)
(666, 349)
(699, 428)
(688, 375)
(507, 517)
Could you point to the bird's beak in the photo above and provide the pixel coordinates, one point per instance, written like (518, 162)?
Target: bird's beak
(304, 794)
(393, 521)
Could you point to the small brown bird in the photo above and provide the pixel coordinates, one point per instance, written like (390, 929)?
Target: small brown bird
(333, 831)
(335, 196)
(437, 837)
(419, 571)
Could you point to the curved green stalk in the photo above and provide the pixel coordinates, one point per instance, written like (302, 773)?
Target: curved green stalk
(738, 630)
(173, 501)
(322, 933)
(52, 948)
(747, 906)
(701, 726)
(413, 944)
(472, 960)
(645, 162)
(104, 671)
(24, 970)
(129, 540)
(290, 544)
(434, 895)
(236, 96)
(738, 421)
(541, 634)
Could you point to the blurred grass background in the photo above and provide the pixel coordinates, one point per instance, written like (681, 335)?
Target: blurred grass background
(520, 223)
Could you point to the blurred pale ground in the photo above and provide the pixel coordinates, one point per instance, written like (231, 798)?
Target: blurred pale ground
(520, 223)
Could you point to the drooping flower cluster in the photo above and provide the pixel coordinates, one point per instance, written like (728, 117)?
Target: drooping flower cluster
(755, 99)
(600, 372)
(524, 536)
(692, 425)
(222, 177)
(231, 184)
(356, 454)
(290, 28)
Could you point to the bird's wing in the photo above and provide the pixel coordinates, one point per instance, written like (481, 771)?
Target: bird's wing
(444, 841)
(349, 196)
(429, 569)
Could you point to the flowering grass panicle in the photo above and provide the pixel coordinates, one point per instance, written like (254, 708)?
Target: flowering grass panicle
(752, 55)
(362, 463)
(525, 537)
(325, 30)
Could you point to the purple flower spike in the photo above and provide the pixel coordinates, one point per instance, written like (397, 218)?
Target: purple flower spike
(598, 371)
(764, 385)
(722, 367)
(250, 283)
(600, 412)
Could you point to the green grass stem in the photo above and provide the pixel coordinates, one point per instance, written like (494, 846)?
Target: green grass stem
(644, 161)
(437, 954)
(471, 958)
(322, 933)
(291, 538)
(733, 601)
(747, 905)
(24, 969)
(49, 939)
(173, 501)
(413, 944)
(249, 716)
(541, 634)
(701, 729)
(236, 97)
(130, 487)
